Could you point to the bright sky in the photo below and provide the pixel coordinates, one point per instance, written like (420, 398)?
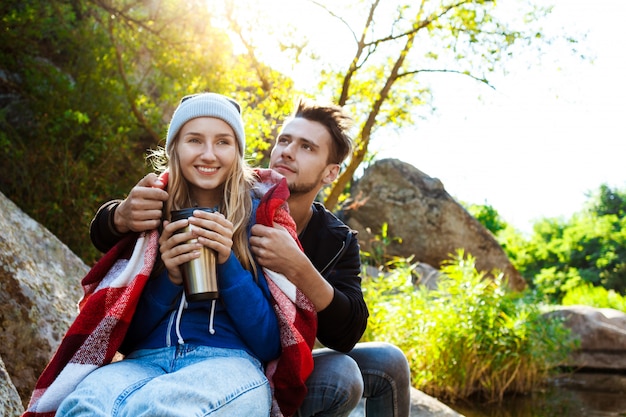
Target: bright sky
(535, 146)
(545, 138)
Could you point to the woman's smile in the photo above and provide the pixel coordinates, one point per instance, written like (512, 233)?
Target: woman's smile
(207, 170)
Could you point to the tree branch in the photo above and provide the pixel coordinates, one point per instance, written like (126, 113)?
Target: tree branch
(127, 87)
(267, 85)
(125, 16)
(341, 19)
(467, 74)
(354, 65)
(361, 149)
(416, 28)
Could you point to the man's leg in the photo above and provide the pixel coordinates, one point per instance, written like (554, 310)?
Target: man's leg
(386, 378)
(335, 386)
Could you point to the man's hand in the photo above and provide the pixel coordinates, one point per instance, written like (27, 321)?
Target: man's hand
(276, 250)
(142, 209)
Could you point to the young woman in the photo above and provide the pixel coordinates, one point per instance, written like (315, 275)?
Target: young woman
(204, 357)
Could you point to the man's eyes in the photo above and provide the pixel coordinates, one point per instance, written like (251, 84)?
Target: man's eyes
(286, 141)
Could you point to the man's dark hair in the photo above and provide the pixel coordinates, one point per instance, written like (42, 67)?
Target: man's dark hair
(336, 121)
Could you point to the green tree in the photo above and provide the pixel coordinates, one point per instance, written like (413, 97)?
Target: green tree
(488, 217)
(399, 46)
(608, 201)
(88, 86)
(590, 248)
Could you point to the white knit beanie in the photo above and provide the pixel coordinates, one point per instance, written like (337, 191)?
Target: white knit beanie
(207, 105)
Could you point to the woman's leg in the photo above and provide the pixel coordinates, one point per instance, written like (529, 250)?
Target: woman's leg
(103, 391)
(205, 381)
(178, 381)
(386, 378)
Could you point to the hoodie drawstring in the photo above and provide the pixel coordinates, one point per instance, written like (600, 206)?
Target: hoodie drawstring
(179, 315)
(211, 317)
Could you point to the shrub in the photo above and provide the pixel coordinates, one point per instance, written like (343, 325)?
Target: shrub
(471, 336)
(590, 295)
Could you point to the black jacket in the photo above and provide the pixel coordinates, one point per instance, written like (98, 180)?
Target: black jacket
(333, 249)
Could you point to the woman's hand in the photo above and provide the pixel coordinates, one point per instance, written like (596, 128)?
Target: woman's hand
(177, 248)
(214, 231)
(209, 229)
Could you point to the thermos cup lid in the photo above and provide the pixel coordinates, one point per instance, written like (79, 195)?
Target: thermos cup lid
(188, 212)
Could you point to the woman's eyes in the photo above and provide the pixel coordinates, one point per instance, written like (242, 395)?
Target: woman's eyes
(223, 141)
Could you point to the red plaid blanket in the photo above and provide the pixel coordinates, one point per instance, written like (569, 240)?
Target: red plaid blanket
(111, 292)
(296, 314)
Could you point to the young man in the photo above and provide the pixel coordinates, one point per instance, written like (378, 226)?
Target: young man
(308, 152)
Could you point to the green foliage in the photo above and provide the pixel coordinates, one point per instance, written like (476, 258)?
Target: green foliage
(589, 248)
(599, 297)
(488, 217)
(88, 87)
(608, 201)
(379, 244)
(552, 283)
(471, 336)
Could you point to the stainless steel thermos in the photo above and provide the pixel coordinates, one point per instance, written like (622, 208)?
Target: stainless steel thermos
(199, 274)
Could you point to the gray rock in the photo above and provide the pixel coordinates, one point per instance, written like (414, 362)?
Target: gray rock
(423, 220)
(422, 405)
(602, 333)
(39, 289)
(610, 382)
(10, 403)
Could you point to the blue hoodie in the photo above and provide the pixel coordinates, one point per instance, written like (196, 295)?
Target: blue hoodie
(241, 318)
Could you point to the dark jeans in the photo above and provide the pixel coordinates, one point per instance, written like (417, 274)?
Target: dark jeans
(376, 371)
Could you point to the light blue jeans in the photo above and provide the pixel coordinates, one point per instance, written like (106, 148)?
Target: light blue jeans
(181, 381)
(376, 371)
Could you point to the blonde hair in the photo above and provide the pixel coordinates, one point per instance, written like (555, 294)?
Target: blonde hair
(236, 204)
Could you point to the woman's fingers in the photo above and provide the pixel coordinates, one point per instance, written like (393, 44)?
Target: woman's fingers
(177, 247)
(214, 231)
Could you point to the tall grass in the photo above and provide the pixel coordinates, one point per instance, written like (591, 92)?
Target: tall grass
(471, 336)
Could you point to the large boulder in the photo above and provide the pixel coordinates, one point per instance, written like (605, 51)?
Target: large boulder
(602, 334)
(423, 220)
(39, 290)
(10, 402)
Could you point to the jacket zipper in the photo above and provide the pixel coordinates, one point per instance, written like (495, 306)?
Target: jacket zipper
(344, 245)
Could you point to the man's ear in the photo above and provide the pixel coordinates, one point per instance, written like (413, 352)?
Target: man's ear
(331, 173)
